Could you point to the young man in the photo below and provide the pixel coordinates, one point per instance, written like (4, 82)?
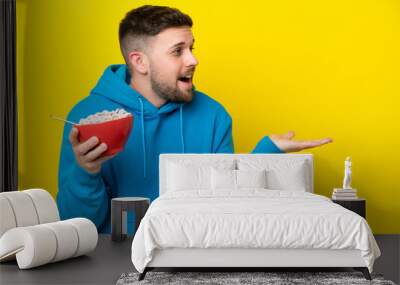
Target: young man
(170, 116)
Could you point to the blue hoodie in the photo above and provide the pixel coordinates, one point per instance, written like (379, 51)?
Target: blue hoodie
(201, 126)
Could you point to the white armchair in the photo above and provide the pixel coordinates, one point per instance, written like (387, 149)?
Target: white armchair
(31, 230)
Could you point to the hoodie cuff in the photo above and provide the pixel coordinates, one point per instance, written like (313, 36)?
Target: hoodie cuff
(266, 145)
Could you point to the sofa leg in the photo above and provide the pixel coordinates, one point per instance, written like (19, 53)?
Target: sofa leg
(364, 271)
(142, 275)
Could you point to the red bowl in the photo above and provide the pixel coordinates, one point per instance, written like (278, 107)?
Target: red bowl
(114, 133)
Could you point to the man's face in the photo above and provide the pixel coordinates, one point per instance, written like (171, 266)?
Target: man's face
(172, 64)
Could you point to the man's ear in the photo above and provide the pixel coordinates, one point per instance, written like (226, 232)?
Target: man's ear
(139, 62)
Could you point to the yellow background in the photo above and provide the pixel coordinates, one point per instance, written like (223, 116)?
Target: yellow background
(320, 68)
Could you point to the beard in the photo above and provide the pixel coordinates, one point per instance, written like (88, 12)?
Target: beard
(168, 91)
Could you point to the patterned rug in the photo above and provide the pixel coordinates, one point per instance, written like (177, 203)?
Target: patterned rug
(269, 278)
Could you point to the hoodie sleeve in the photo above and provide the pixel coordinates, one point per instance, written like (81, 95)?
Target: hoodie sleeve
(266, 145)
(80, 193)
(223, 142)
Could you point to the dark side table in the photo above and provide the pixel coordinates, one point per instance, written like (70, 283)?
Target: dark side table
(119, 209)
(357, 205)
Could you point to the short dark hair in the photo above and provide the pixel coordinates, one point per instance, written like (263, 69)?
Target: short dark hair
(147, 21)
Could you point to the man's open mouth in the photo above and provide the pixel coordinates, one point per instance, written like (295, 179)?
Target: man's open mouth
(186, 79)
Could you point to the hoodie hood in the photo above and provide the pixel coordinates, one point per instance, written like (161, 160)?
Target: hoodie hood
(114, 84)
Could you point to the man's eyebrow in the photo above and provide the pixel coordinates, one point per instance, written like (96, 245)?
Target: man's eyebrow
(180, 44)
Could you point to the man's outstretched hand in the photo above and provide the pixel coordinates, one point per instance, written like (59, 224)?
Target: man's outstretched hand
(287, 144)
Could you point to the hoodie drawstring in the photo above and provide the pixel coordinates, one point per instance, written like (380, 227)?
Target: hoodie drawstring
(181, 122)
(143, 133)
(143, 138)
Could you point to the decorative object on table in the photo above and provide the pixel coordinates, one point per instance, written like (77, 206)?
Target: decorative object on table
(111, 127)
(347, 192)
(119, 208)
(344, 194)
(347, 173)
(31, 231)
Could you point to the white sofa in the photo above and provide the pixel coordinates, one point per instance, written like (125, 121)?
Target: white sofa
(31, 231)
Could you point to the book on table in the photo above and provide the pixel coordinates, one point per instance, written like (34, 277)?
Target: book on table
(344, 194)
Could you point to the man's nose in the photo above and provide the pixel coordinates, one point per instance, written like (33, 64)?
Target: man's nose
(191, 60)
